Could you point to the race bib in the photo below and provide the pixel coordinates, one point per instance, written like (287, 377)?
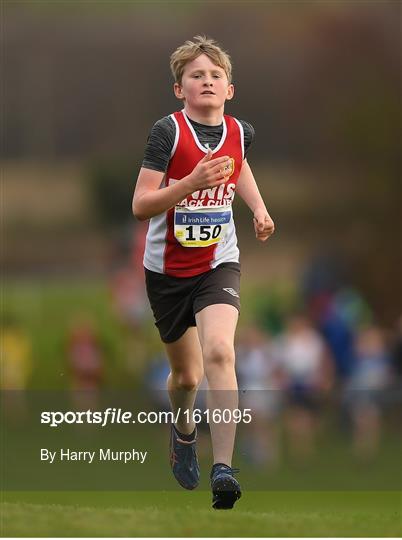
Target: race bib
(202, 226)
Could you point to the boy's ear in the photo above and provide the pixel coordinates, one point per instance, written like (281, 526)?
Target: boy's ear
(178, 91)
(230, 93)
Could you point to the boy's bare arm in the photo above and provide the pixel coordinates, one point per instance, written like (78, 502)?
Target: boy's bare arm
(248, 190)
(150, 201)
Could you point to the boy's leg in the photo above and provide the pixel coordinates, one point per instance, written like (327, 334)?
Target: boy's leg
(186, 374)
(216, 325)
(185, 358)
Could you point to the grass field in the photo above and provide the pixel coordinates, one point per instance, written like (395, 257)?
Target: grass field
(189, 514)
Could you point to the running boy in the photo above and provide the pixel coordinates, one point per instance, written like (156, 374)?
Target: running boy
(194, 162)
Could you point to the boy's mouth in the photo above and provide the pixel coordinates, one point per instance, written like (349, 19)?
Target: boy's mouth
(206, 92)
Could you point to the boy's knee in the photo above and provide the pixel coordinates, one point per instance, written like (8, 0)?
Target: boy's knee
(187, 380)
(219, 353)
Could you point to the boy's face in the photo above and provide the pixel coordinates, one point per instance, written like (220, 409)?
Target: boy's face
(204, 85)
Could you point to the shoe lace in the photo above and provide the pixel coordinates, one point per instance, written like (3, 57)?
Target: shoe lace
(226, 469)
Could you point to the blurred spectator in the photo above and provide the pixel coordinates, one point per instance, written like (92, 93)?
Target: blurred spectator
(127, 282)
(85, 361)
(364, 391)
(16, 360)
(309, 374)
(127, 297)
(337, 332)
(337, 316)
(260, 384)
(324, 273)
(336, 309)
(15, 367)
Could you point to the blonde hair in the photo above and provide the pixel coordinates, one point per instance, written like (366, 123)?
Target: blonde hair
(190, 50)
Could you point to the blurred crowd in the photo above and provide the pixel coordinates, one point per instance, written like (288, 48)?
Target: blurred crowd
(300, 374)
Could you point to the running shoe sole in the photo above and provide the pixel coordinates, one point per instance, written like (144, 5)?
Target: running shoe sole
(225, 492)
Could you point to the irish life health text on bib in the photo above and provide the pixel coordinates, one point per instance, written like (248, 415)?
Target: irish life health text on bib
(201, 226)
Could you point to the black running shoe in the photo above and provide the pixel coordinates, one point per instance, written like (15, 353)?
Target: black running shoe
(225, 488)
(183, 460)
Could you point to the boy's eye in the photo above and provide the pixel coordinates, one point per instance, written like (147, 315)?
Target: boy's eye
(198, 76)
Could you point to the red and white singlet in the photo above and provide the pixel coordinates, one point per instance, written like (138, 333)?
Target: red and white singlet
(198, 233)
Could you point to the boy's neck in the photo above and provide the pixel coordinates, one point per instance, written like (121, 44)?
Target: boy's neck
(207, 118)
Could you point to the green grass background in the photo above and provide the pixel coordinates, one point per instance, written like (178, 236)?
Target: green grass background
(45, 309)
(190, 514)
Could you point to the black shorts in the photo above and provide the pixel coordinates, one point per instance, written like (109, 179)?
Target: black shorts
(175, 301)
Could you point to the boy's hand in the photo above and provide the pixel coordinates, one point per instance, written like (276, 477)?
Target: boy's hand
(208, 172)
(263, 224)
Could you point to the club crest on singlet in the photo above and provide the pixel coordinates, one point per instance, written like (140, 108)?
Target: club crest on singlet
(228, 170)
